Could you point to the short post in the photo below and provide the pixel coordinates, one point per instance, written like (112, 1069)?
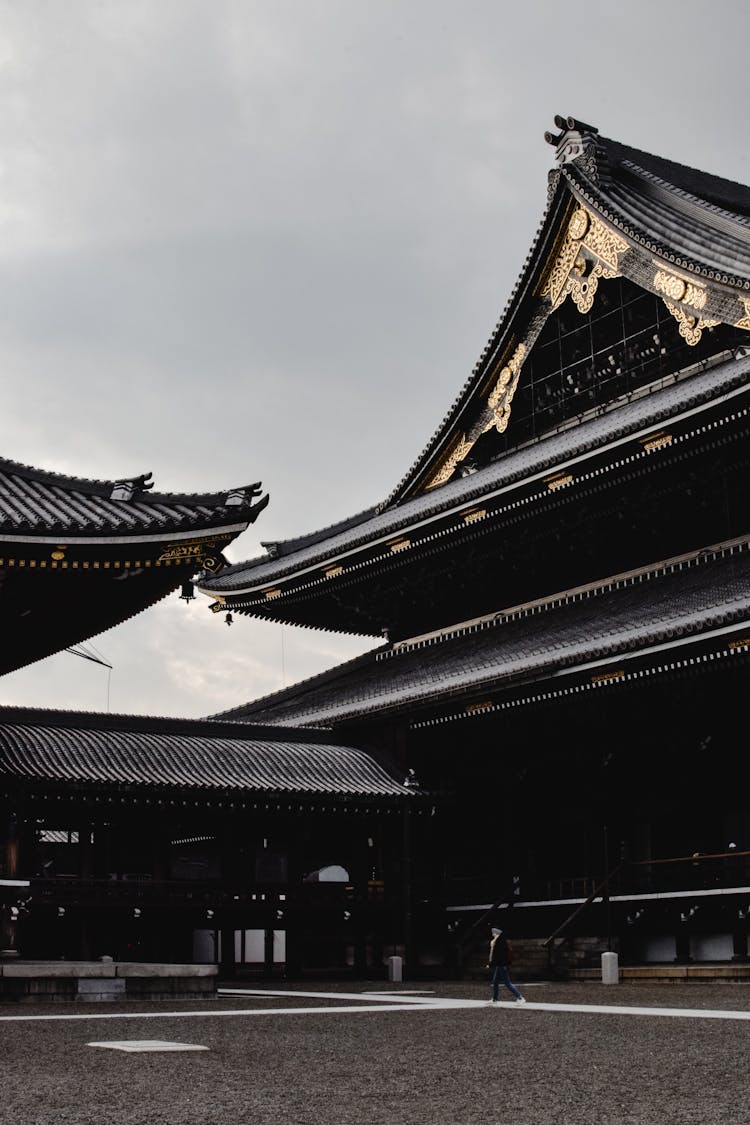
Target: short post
(610, 968)
(395, 969)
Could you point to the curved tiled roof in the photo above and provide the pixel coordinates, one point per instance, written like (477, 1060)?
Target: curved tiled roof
(79, 556)
(518, 465)
(691, 218)
(715, 191)
(35, 502)
(701, 237)
(684, 598)
(150, 759)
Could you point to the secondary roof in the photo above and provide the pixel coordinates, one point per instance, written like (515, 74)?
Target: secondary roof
(79, 556)
(140, 755)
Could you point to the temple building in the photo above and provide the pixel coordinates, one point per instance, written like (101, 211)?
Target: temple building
(168, 840)
(559, 587)
(547, 729)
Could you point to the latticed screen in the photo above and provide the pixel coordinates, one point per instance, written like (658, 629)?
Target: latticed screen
(581, 362)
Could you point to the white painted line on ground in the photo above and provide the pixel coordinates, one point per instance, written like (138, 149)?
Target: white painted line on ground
(399, 992)
(380, 1003)
(381, 997)
(134, 1045)
(208, 1014)
(625, 1010)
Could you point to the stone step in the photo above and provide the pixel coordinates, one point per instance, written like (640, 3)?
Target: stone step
(670, 974)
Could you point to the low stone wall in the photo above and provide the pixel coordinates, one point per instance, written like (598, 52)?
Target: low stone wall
(53, 981)
(671, 974)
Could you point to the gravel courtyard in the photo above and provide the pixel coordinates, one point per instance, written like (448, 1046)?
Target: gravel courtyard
(425, 1065)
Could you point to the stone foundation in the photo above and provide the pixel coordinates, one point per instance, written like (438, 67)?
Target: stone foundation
(86, 981)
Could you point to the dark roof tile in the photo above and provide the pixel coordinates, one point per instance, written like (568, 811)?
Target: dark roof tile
(35, 502)
(516, 466)
(622, 616)
(156, 759)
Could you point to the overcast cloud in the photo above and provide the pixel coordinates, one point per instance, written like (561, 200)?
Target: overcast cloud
(268, 241)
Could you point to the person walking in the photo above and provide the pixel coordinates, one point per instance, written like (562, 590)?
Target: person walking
(499, 963)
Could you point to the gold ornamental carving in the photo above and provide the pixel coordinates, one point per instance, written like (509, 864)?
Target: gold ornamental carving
(198, 551)
(496, 413)
(744, 321)
(671, 286)
(682, 289)
(579, 224)
(590, 251)
(690, 327)
(446, 467)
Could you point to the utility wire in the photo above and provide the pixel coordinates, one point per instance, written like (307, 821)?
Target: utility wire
(91, 653)
(79, 650)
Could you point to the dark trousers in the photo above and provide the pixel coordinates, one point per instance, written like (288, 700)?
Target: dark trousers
(501, 973)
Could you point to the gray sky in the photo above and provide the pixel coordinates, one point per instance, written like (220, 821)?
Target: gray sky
(267, 241)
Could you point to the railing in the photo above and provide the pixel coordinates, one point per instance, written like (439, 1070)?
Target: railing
(602, 889)
(699, 871)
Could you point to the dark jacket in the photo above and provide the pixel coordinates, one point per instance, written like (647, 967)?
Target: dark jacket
(498, 952)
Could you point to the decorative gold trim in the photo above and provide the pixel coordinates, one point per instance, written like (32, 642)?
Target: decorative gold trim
(558, 481)
(270, 594)
(445, 468)
(568, 275)
(739, 644)
(678, 288)
(496, 413)
(591, 250)
(691, 327)
(607, 677)
(332, 571)
(58, 561)
(579, 224)
(399, 545)
(501, 395)
(474, 515)
(180, 552)
(478, 708)
(656, 441)
(744, 321)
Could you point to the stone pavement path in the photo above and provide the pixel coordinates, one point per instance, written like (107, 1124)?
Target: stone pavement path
(351, 1054)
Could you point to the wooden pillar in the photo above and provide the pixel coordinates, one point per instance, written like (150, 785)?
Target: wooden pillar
(85, 935)
(360, 875)
(294, 914)
(406, 891)
(11, 847)
(85, 850)
(160, 835)
(682, 942)
(739, 938)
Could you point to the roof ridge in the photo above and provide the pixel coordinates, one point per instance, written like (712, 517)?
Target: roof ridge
(119, 722)
(51, 476)
(485, 355)
(273, 546)
(596, 198)
(103, 487)
(675, 189)
(707, 177)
